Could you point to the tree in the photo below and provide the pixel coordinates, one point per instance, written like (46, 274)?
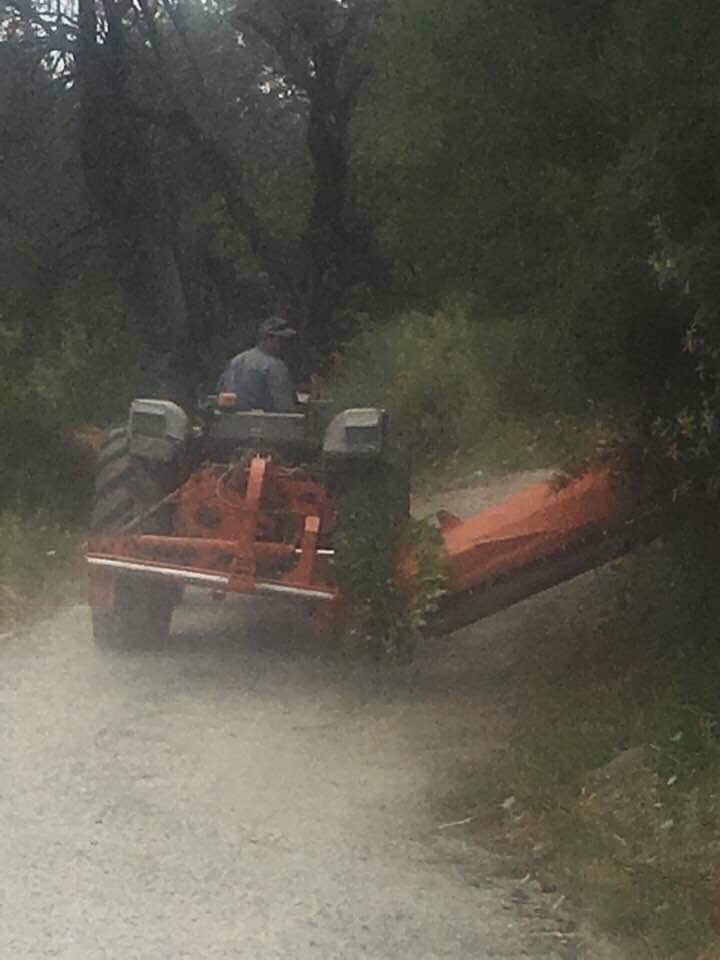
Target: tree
(209, 136)
(44, 220)
(184, 240)
(518, 155)
(319, 50)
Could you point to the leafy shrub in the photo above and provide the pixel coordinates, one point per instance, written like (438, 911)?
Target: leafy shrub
(92, 376)
(40, 559)
(87, 379)
(690, 438)
(390, 567)
(421, 368)
(686, 429)
(629, 677)
(424, 370)
(453, 381)
(451, 385)
(42, 465)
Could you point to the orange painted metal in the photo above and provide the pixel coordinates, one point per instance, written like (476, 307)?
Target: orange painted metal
(535, 524)
(215, 499)
(247, 523)
(261, 525)
(303, 572)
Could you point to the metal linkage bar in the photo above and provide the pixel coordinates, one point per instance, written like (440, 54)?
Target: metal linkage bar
(172, 573)
(209, 580)
(288, 591)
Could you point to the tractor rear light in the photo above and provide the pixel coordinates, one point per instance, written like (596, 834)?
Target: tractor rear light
(226, 400)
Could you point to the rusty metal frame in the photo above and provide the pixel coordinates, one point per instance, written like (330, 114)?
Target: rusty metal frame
(260, 528)
(269, 522)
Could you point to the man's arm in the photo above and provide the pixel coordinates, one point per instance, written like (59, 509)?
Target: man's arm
(282, 391)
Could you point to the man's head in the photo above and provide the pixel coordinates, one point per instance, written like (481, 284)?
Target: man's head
(275, 334)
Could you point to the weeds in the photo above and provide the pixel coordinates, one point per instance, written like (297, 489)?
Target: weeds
(38, 559)
(614, 767)
(462, 391)
(391, 567)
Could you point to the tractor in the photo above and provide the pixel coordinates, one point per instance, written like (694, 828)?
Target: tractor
(242, 502)
(247, 502)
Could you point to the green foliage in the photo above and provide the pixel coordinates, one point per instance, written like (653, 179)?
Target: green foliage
(391, 568)
(42, 464)
(454, 384)
(40, 560)
(686, 430)
(509, 157)
(615, 757)
(519, 153)
(424, 370)
(690, 439)
(486, 116)
(85, 375)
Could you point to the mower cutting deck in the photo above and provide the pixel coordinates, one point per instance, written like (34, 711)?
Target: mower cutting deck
(535, 540)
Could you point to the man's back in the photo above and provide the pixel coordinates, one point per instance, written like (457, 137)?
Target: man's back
(260, 381)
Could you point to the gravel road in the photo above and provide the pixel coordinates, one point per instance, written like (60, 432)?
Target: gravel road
(245, 793)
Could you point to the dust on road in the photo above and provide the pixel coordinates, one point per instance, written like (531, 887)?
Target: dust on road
(246, 793)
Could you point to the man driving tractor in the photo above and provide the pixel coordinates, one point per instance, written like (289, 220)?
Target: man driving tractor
(259, 377)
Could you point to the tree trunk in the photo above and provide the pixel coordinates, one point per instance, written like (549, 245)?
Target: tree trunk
(327, 242)
(139, 229)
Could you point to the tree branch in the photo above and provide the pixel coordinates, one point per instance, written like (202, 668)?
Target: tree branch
(53, 36)
(148, 18)
(177, 17)
(281, 43)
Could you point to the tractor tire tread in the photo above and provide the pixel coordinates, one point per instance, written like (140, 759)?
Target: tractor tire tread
(115, 446)
(112, 511)
(126, 487)
(116, 473)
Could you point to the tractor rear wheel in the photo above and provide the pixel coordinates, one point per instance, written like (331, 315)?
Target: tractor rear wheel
(126, 487)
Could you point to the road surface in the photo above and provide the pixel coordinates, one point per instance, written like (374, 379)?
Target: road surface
(246, 793)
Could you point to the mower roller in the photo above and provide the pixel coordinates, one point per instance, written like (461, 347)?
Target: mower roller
(247, 503)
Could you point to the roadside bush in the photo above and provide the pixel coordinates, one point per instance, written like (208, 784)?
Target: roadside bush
(425, 371)
(454, 382)
(536, 372)
(92, 376)
(42, 465)
(391, 568)
(612, 777)
(453, 386)
(48, 400)
(40, 563)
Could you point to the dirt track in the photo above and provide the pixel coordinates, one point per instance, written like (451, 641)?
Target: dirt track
(245, 793)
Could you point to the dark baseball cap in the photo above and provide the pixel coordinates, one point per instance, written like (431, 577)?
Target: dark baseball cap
(276, 327)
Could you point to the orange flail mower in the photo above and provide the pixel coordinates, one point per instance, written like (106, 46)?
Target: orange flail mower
(248, 503)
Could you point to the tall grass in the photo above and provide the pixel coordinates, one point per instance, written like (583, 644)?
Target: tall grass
(614, 766)
(43, 467)
(40, 562)
(456, 384)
